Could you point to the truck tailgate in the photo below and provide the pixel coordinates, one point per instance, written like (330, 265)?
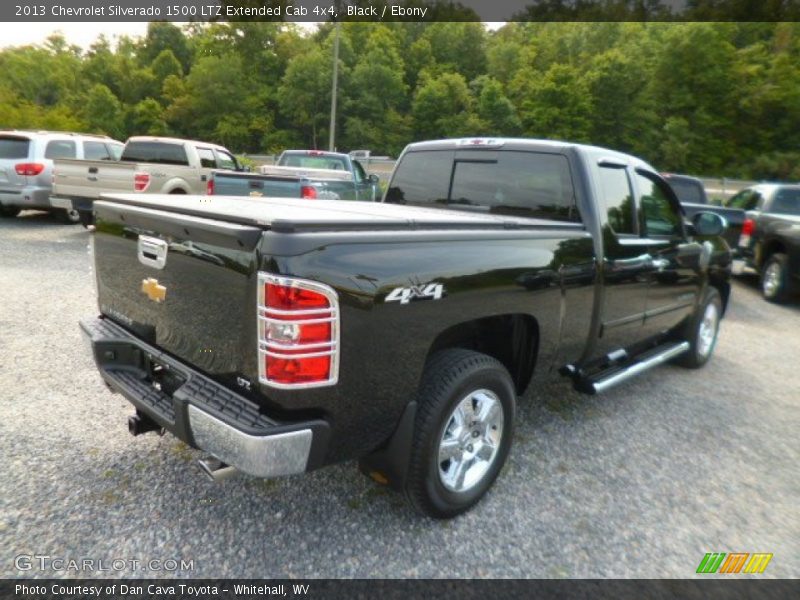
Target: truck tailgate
(74, 178)
(182, 283)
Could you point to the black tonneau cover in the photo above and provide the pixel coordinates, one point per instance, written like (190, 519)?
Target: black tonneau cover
(286, 214)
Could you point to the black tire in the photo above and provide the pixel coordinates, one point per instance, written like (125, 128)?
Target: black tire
(67, 216)
(453, 379)
(9, 212)
(696, 331)
(774, 281)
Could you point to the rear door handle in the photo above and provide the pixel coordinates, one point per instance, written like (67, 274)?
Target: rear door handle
(92, 169)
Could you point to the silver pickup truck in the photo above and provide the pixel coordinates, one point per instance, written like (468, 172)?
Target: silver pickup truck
(151, 165)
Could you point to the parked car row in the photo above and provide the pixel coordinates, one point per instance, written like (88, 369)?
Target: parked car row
(65, 173)
(147, 165)
(763, 230)
(26, 166)
(770, 239)
(309, 174)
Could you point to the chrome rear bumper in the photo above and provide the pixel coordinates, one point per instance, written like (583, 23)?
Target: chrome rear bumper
(200, 411)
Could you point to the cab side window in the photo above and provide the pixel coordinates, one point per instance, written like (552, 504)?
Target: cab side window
(207, 159)
(60, 149)
(95, 151)
(659, 215)
(616, 190)
(746, 200)
(226, 161)
(358, 172)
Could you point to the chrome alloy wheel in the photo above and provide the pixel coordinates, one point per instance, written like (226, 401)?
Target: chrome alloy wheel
(772, 279)
(470, 440)
(707, 333)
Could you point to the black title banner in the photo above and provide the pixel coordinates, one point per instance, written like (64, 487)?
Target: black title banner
(319, 589)
(397, 10)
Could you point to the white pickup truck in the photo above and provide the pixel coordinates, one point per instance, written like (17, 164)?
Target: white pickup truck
(155, 165)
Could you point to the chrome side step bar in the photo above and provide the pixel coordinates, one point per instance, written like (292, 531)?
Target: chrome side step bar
(608, 378)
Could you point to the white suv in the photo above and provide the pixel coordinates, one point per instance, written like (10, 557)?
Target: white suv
(26, 166)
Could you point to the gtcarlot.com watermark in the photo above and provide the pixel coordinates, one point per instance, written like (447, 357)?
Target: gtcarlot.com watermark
(89, 566)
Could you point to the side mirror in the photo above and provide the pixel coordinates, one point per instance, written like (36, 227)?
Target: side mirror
(374, 179)
(709, 223)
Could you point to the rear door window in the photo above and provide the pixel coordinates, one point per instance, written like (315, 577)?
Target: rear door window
(60, 149)
(95, 151)
(14, 147)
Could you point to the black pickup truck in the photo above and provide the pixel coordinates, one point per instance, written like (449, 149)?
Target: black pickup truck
(770, 240)
(298, 334)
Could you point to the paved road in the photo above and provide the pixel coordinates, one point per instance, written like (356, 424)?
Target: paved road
(640, 482)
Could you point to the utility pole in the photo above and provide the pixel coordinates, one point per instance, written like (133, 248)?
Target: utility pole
(332, 137)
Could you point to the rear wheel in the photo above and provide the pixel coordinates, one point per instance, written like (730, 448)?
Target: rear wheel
(462, 433)
(69, 216)
(9, 212)
(701, 331)
(774, 276)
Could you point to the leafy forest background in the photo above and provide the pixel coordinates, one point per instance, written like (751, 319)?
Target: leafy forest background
(717, 99)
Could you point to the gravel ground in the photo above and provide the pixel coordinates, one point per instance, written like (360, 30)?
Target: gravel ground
(640, 482)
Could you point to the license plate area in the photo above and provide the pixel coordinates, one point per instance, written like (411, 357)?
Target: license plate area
(162, 377)
(120, 356)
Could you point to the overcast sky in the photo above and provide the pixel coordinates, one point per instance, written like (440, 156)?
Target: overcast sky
(82, 34)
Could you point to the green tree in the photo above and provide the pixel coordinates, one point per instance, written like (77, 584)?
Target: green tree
(555, 104)
(103, 112)
(161, 36)
(147, 118)
(442, 108)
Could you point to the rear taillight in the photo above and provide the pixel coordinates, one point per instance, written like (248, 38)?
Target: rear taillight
(748, 227)
(210, 187)
(29, 169)
(308, 192)
(298, 332)
(141, 181)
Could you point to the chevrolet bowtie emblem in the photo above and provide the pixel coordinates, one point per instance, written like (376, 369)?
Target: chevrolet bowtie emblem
(156, 293)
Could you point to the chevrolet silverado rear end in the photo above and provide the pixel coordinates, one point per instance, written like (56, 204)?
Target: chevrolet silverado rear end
(282, 336)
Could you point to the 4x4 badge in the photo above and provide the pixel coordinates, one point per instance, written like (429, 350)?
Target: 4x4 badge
(154, 291)
(428, 291)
